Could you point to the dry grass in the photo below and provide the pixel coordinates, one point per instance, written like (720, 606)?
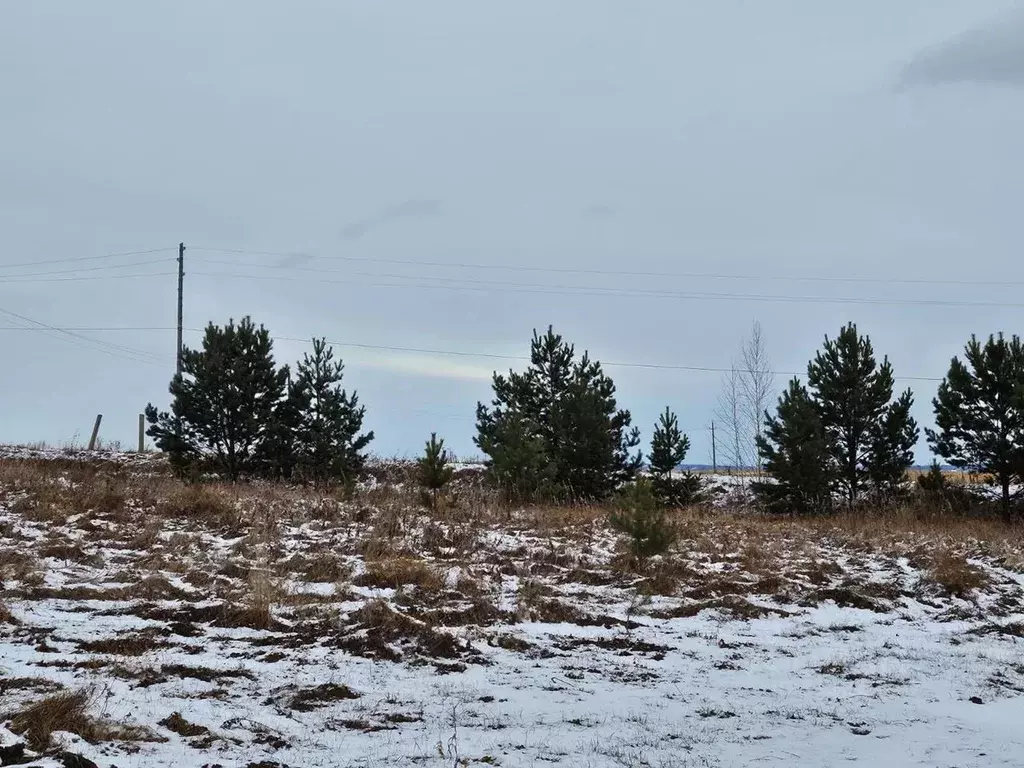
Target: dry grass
(6, 617)
(69, 712)
(257, 611)
(398, 572)
(954, 576)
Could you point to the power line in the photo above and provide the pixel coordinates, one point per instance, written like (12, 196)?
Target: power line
(4, 280)
(86, 258)
(455, 353)
(522, 358)
(75, 270)
(487, 287)
(619, 273)
(114, 350)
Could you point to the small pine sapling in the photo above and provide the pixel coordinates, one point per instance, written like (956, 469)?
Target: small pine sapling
(433, 471)
(640, 516)
(669, 447)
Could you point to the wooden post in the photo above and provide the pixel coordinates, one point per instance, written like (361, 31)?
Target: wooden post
(95, 432)
(714, 450)
(142, 433)
(181, 283)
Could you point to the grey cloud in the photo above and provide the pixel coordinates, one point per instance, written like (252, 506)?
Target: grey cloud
(993, 53)
(410, 209)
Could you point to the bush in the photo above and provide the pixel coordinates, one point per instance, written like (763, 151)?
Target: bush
(639, 515)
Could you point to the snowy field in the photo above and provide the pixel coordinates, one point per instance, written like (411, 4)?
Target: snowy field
(256, 626)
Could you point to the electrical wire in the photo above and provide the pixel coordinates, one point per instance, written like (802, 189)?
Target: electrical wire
(617, 273)
(485, 287)
(74, 270)
(114, 350)
(87, 258)
(80, 279)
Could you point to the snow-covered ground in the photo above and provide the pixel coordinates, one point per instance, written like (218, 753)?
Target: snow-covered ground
(266, 627)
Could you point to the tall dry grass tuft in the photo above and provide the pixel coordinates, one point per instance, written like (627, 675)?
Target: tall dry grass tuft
(6, 617)
(67, 711)
(211, 504)
(398, 572)
(258, 607)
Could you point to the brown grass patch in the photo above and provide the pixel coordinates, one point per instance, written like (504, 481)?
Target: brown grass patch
(70, 553)
(69, 712)
(6, 617)
(398, 572)
(179, 725)
(123, 645)
(200, 502)
(954, 576)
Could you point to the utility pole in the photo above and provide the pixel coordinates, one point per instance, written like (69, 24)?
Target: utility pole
(714, 451)
(181, 285)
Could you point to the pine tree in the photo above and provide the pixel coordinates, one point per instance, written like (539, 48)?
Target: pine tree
(851, 392)
(892, 447)
(556, 429)
(979, 413)
(222, 401)
(668, 445)
(433, 471)
(668, 449)
(639, 515)
(517, 457)
(328, 444)
(793, 448)
(278, 453)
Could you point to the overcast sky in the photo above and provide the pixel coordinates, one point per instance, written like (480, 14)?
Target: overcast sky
(764, 141)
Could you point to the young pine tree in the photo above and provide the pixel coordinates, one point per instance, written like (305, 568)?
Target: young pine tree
(640, 516)
(864, 434)
(555, 429)
(795, 455)
(668, 449)
(979, 413)
(433, 472)
(892, 448)
(222, 401)
(328, 441)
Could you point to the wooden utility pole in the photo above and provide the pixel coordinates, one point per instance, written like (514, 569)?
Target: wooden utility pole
(714, 449)
(95, 431)
(142, 433)
(181, 285)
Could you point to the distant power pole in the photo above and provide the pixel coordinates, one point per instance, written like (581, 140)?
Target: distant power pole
(181, 285)
(714, 449)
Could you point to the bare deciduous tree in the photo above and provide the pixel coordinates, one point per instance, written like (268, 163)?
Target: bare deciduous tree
(730, 414)
(746, 392)
(757, 383)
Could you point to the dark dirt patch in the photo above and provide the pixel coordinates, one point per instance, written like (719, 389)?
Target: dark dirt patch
(379, 631)
(364, 726)
(125, 645)
(847, 597)
(37, 684)
(621, 646)
(1013, 629)
(179, 725)
(151, 676)
(732, 605)
(308, 699)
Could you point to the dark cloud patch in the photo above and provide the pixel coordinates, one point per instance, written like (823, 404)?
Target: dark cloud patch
(990, 54)
(410, 209)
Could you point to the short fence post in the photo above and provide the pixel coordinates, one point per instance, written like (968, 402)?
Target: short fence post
(95, 431)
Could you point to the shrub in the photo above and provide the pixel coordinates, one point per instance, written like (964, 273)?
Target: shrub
(639, 516)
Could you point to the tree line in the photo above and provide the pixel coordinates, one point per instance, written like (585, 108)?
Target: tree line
(555, 432)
